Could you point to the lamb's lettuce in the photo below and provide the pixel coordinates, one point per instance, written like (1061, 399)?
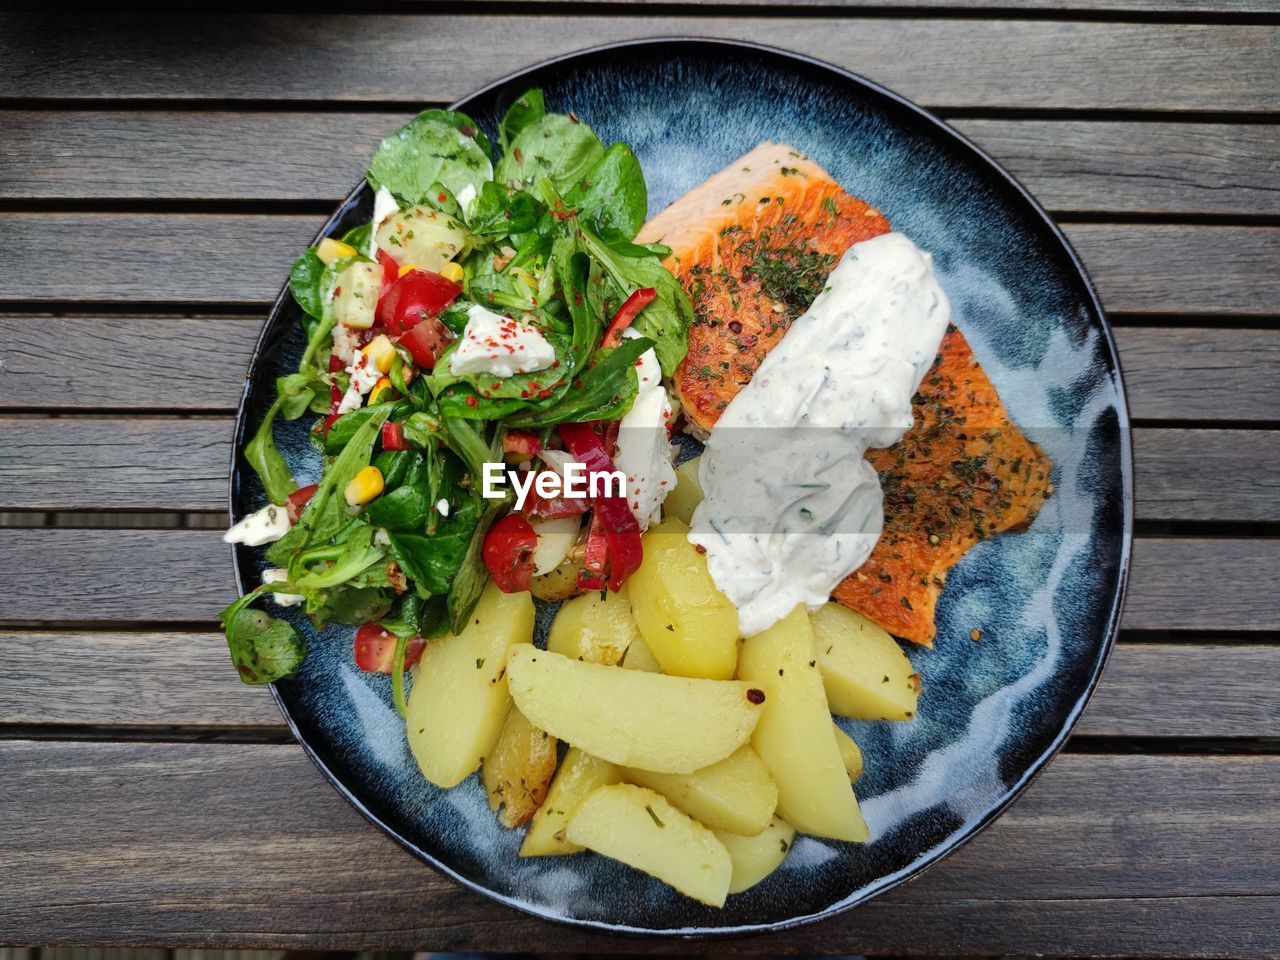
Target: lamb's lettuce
(262, 647)
(435, 147)
(554, 146)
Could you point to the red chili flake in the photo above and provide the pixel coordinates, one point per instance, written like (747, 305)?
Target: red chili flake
(442, 197)
(700, 548)
(472, 402)
(755, 695)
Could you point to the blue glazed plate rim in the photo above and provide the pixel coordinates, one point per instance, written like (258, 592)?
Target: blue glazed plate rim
(711, 46)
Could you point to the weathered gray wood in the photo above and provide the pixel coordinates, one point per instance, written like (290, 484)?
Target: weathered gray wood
(972, 63)
(154, 576)
(185, 680)
(102, 849)
(1170, 372)
(244, 260)
(1173, 373)
(1179, 7)
(1113, 167)
(114, 463)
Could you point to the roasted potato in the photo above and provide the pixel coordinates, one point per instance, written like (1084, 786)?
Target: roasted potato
(579, 774)
(682, 501)
(689, 625)
(643, 830)
(850, 753)
(795, 737)
(596, 627)
(459, 699)
(737, 794)
(754, 858)
(865, 672)
(640, 657)
(560, 583)
(517, 772)
(635, 719)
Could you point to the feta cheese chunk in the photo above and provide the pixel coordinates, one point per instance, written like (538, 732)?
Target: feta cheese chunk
(498, 345)
(364, 375)
(280, 575)
(644, 446)
(384, 205)
(263, 526)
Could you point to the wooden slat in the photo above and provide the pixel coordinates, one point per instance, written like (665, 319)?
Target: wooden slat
(1181, 7)
(276, 858)
(150, 576)
(186, 680)
(972, 63)
(113, 463)
(1170, 372)
(1171, 168)
(244, 259)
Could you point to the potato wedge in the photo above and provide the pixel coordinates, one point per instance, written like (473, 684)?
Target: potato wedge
(643, 830)
(459, 699)
(558, 584)
(634, 719)
(795, 737)
(579, 774)
(755, 857)
(690, 626)
(640, 657)
(850, 753)
(517, 772)
(682, 501)
(737, 794)
(866, 674)
(596, 627)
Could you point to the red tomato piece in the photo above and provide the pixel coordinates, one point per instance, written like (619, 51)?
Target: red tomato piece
(426, 341)
(415, 296)
(390, 273)
(393, 436)
(375, 649)
(508, 553)
(521, 442)
(295, 502)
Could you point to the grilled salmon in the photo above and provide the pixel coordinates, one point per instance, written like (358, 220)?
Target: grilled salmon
(753, 245)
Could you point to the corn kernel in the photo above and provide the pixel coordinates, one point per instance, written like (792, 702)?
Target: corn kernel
(452, 271)
(364, 486)
(331, 250)
(382, 386)
(380, 352)
(407, 268)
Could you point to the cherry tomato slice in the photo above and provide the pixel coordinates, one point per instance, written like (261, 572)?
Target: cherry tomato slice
(415, 296)
(297, 500)
(426, 341)
(508, 553)
(375, 649)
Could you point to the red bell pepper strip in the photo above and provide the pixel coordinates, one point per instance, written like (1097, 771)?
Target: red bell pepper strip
(595, 562)
(508, 553)
(622, 530)
(297, 500)
(393, 436)
(521, 442)
(627, 314)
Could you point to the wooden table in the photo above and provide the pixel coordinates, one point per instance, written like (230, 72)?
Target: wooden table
(159, 174)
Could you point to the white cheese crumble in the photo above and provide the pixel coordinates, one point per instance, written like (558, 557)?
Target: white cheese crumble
(467, 200)
(346, 341)
(280, 575)
(498, 345)
(262, 526)
(363, 376)
(442, 507)
(384, 205)
(644, 445)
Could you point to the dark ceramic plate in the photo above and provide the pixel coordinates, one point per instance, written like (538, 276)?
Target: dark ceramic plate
(1047, 601)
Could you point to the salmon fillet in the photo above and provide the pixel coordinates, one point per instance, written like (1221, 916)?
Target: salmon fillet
(753, 245)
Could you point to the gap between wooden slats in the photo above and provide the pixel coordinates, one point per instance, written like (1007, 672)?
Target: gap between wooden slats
(1038, 64)
(276, 852)
(1070, 166)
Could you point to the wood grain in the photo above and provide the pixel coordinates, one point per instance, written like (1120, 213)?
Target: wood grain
(184, 679)
(1171, 373)
(110, 463)
(1063, 7)
(1041, 64)
(184, 576)
(244, 259)
(1070, 166)
(276, 858)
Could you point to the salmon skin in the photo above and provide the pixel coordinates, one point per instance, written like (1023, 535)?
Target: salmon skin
(753, 245)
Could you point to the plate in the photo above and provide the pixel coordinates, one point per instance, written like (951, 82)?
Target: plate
(1046, 601)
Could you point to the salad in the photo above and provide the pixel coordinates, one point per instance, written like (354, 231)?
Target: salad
(495, 308)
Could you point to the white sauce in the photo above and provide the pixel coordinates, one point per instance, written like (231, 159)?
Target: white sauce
(498, 345)
(262, 526)
(644, 445)
(791, 507)
(384, 205)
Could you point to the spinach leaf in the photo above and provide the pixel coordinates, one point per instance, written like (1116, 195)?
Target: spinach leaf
(302, 391)
(394, 466)
(262, 648)
(553, 146)
(613, 195)
(359, 236)
(429, 150)
(263, 455)
(498, 213)
(326, 513)
(432, 563)
(356, 556)
(347, 425)
(405, 508)
(414, 615)
(528, 109)
(463, 124)
(602, 392)
(348, 604)
(572, 270)
(305, 283)
(470, 580)
(667, 320)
